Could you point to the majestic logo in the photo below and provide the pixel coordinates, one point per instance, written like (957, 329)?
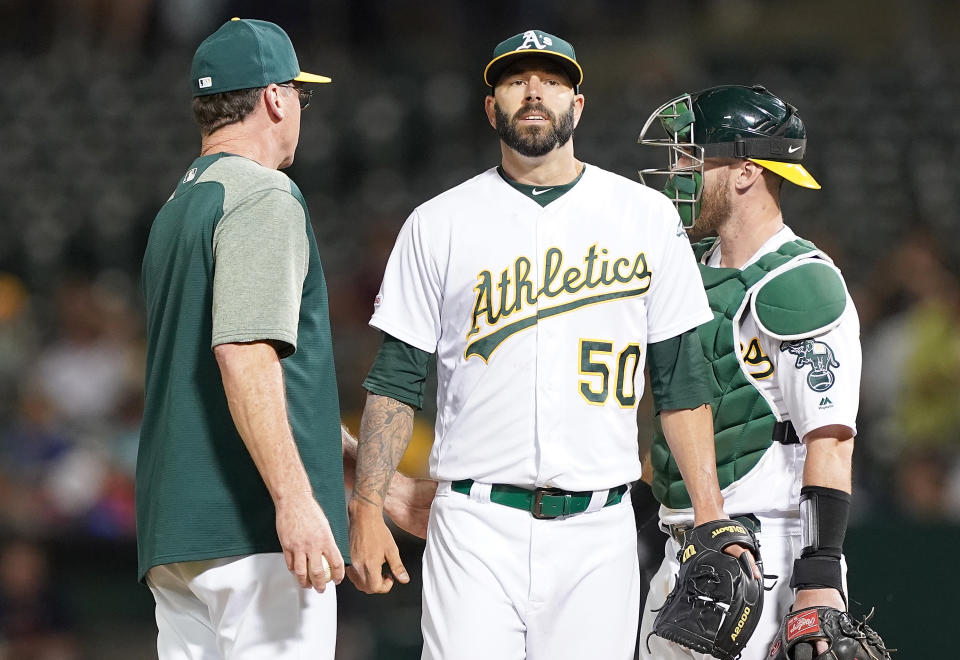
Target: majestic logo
(499, 298)
(825, 402)
(540, 192)
(205, 82)
(820, 358)
(802, 624)
(531, 40)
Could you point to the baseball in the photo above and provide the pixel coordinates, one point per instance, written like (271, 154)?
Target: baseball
(327, 575)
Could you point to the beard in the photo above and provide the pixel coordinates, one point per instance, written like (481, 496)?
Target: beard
(534, 141)
(715, 208)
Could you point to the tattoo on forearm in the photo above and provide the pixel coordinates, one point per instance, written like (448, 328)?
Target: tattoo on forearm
(385, 430)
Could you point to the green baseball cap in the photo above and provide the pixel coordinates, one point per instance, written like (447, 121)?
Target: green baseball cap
(246, 53)
(533, 42)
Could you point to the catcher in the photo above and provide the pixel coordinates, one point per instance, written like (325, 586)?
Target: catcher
(785, 353)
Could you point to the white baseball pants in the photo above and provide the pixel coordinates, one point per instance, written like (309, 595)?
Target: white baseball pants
(498, 583)
(241, 608)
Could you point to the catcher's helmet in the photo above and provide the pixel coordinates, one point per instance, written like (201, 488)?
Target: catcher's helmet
(730, 121)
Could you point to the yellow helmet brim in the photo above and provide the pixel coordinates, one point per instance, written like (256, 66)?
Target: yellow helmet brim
(792, 172)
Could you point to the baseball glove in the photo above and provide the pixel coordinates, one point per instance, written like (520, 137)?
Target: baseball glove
(847, 638)
(716, 602)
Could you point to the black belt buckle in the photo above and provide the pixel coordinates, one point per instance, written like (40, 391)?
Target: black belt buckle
(538, 496)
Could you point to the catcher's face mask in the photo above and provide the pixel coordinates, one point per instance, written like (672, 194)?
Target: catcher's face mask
(671, 126)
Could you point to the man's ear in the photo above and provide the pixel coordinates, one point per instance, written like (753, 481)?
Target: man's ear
(747, 174)
(273, 103)
(578, 101)
(489, 106)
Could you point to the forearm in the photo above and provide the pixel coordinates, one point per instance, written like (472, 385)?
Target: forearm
(385, 432)
(689, 434)
(824, 511)
(829, 458)
(253, 383)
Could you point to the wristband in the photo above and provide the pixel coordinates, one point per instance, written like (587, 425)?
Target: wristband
(823, 517)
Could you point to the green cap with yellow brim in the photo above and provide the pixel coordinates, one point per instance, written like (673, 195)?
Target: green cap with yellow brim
(533, 42)
(792, 172)
(243, 54)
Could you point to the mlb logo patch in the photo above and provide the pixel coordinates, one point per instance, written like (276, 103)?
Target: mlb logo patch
(205, 82)
(802, 624)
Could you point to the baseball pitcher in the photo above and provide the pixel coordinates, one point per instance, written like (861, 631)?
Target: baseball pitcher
(542, 286)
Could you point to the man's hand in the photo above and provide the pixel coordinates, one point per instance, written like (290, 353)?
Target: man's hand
(737, 550)
(813, 597)
(815, 630)
(385, 430)
(408, 503)
(306, 538)
(716, 603)
(372, 546)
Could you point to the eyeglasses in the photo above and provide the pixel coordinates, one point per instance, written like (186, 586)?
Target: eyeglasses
(304, 94)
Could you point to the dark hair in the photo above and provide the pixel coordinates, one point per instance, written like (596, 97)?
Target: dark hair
(214, 111)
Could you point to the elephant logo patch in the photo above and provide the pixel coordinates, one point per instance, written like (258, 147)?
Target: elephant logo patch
(820, 358)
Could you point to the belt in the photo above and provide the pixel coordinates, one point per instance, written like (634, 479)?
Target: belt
(542, 503)
(679, 530)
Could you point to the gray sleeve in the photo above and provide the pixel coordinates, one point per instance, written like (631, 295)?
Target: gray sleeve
(260, 252)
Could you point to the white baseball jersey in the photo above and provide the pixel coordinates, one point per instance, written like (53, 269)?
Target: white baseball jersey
(540, 318)
(809, 395)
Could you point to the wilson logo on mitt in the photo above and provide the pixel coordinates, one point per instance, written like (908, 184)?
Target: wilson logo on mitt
(737, 529)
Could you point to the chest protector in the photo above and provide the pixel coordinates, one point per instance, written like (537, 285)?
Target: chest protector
(743, 421)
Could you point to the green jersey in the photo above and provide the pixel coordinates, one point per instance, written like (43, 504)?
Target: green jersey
(231, 257)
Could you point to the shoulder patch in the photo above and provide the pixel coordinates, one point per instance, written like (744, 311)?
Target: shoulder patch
(802, 301)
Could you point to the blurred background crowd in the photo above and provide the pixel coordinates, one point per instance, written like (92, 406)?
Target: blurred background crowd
(95, 130)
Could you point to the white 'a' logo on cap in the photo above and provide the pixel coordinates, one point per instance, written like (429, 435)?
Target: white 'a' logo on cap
(205, 82)
(530, 40)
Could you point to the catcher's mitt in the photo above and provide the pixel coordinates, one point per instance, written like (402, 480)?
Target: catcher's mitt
(847, 638)
(716, 603)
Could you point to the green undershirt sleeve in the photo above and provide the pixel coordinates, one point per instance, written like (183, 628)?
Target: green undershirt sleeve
(678, 373)
(399, 372)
